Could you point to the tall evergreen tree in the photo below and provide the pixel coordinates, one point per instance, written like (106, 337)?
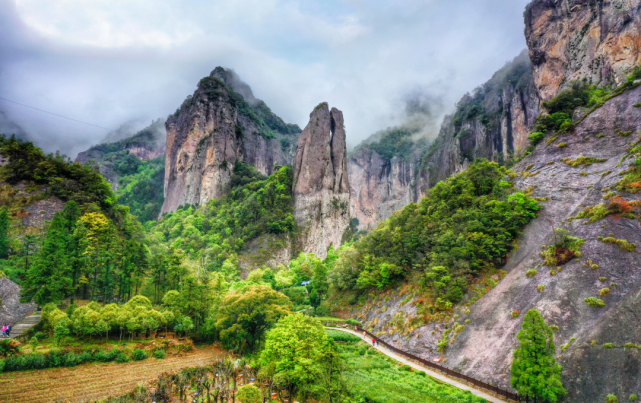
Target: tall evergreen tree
(71, 215)
(535, 373)
(47, 279)
(4, 233)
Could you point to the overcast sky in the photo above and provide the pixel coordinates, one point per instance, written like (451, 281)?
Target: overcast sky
(122, 63)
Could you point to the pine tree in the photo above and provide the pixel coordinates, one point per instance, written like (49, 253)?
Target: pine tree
(535, 373)
(47, 279)
(4, 233)
(71, 215)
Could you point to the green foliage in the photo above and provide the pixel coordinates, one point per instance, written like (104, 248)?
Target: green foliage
(372, 378)
(298, 356)
(343, 337)
(9, 347)
(139, 355)
(65, 179)
(633, 398)
(60, 358)
(595, 302)
(531, 273)
(159, 354)
(463, 226)
(536, 137)
(142, 190)
(621, 243)
(611, 399)
(397, 142)
(245, 316)
(608, 345)
(582, 161)
(249, 394)
(564, 249)
(5, 221)
(535, 373)
(216, 231)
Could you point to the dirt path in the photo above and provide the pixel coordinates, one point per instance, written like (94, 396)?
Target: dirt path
(428, 371)
(90, 382)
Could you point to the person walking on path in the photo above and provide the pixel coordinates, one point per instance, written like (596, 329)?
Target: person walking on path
(8, 330)
(4, 331)
(373, 342)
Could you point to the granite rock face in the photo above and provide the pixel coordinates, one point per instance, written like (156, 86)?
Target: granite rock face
(12, 310)
(599, 40)
(493, 122)
(380, 187)
(321, 187)
(220, 124)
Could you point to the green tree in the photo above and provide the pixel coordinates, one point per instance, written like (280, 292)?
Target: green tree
(48, 278)
(249, 394)
(245, 315)
(297, 355)
(4, 233)
(535, 373)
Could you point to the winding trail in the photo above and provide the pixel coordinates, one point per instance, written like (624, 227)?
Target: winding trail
(430, 372)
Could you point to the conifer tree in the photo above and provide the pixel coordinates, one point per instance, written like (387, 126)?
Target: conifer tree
(535, 373)
(4, 233)
(47, 279)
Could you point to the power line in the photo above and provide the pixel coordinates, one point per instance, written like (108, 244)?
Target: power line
(60, 116)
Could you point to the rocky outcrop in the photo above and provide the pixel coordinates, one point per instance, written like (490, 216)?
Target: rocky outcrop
(147, 144)
(220, 124)
(599, 40)
(320, 186)
(12, 310)
(379, 187)
(493, 122)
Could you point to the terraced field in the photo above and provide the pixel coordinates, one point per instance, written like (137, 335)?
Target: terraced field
(91, 382)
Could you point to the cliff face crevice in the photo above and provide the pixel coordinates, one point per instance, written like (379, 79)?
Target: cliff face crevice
(320, 186)
(599, 40)
(220, 124)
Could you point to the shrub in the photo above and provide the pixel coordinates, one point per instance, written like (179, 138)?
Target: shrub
(139, 355)
(536, 137)
(633, 398)
(405, 368)
(1, 366)
(608, 345)
(611, 399)
(562, 145)
(121, 357)
(604, 291)
(564, 249)
(595, 302)
(71, 360)
(159, 354)
(540, 288)
(515, 313)
(531, 273)
(249, 394)
(9, 347)
(585, 161)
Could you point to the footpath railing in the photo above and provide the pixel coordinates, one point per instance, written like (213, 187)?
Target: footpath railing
(451, 373)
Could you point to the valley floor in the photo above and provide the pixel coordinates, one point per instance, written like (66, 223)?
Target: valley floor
(428, 371)
(94, 381)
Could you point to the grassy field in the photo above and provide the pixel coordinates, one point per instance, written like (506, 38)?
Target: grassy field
(375, 378)
(90, 382)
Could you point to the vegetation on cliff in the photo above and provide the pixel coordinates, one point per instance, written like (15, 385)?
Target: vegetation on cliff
(463, 227)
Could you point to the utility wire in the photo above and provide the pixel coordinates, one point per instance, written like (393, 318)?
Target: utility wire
(60, 116)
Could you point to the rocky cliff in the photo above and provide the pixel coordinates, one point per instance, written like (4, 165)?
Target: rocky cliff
(576, 174)
(493, 122)
(220, 124)
(596, 40)
(380, 186)
(111, 158)
(321, 187)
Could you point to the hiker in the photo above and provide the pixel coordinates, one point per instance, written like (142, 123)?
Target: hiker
(373, 342)
(4, 331)
(9, 331)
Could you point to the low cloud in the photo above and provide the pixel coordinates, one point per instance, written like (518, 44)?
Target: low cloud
(121, 64)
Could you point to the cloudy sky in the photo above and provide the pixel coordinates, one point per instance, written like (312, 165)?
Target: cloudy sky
(119, 64)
